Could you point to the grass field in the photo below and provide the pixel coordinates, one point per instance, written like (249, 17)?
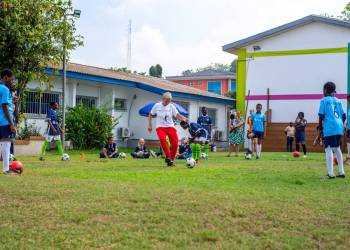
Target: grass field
(225, 203)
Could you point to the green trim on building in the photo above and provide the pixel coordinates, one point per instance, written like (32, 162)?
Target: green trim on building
(241, 80)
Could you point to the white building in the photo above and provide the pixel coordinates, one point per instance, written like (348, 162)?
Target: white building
(124, 94)
(292, 61)
(285, 68)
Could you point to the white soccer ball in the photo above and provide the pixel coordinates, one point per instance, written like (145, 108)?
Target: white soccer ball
(190, 163)
(122, 155)
(12, 157)
(248, 156)
(65, 157)
(204, 156)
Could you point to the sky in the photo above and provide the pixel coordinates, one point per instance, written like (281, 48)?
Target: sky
(180, 34)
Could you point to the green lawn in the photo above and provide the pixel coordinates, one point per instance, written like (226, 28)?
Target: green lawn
(276, 203)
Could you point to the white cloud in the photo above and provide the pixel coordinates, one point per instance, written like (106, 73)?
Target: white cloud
(150, 47)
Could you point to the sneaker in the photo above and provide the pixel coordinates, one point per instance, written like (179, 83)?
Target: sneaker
(169, 162)
(305, 156)
(41, 158)
(328, 177)
(154, 155)
(341, 176)
(8, 172)
(258, 158)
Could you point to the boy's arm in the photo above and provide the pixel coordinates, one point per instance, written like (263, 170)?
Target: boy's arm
(181, 117)
(150, 122)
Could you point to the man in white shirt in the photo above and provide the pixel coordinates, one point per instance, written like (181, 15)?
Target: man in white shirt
(165, 127)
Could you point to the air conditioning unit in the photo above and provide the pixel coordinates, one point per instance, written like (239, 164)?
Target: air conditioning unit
(218, 135)
(124, 133)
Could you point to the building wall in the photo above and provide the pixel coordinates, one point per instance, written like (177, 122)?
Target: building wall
(295, 81)
(136, 99)
(204, 86)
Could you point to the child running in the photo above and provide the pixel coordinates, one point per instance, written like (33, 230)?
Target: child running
(199, 136)
(258, 120)
(53, 130)
(141, 150)
(331, 124)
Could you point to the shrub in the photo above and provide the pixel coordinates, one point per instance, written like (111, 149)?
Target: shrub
(28, 130)
(89, 128)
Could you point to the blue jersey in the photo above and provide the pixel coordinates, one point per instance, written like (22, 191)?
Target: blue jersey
(348, 121)
(205, 122)
(5, 98)
(332, 112)
(185, 149)
(111, 148)
(140, 149)
(194, 128)
(52, 116)
(258, 120)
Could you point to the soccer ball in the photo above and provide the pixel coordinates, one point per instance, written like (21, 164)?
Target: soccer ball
(17, 167)
(65, 157)
(248, 156)
(12, 157)
(122, 155)
(190, 163)
(204, 156)
(296, 154)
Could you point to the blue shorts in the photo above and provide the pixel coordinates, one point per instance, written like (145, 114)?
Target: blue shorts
(348, 133)
(333, 141)
(5, 132)
(258, 134)
(300, 138)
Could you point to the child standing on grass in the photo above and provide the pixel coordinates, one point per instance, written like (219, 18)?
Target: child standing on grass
(54, 131)
(140, 151)
(185, 151)
(251, 142)
(331, 124)
(110, 150)
(300, 124)
(236, 136)
(290, 133)
(258, 128)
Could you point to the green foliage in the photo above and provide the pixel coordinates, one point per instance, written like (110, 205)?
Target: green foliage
(346, 12)
(229, 68)
(27, 130)
(231, 94)
(33, 35)
(156, 71)
(89, 128)
(233, 66)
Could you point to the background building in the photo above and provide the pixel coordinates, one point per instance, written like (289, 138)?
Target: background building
(123, 95)
(213, 81)
(285, 68)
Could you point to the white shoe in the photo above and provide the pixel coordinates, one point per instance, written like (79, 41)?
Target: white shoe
(305, 156)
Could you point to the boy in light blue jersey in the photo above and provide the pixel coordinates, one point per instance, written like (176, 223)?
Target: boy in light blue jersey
(348, 133)
(7, 128)
(331, 124)
(258, 120)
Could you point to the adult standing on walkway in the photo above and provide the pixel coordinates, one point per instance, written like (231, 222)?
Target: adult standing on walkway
(165, 127)
(290, 133)
(300, 124)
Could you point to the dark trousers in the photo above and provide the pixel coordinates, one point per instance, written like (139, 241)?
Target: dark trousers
(290, 144)
(145, 155)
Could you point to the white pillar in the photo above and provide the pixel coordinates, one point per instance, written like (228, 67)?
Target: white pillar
(74, 93)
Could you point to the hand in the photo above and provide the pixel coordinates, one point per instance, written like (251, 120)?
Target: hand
(150, 129)
(186, 119)
(13, 129)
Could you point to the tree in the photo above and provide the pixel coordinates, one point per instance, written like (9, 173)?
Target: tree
(346, 12)
(33, 35)
(233, 66)
(156, 71)
(126, 70)
(214, 66)
(230, 94)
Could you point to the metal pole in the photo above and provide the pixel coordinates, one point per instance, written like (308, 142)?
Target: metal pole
(64, 81)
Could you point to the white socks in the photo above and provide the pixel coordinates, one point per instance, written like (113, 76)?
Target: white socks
(348, 147)
(258, 149)
(329, 158)
(250, 144)
(5, 151)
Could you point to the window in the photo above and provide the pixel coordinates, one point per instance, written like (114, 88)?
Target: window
(120, 104)
(214, 87)
(181, 83)
(39, 103)
(199, 83)
(191, 83)
(87, 101)
(185, 105)
(212, 114)
(233, 85)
